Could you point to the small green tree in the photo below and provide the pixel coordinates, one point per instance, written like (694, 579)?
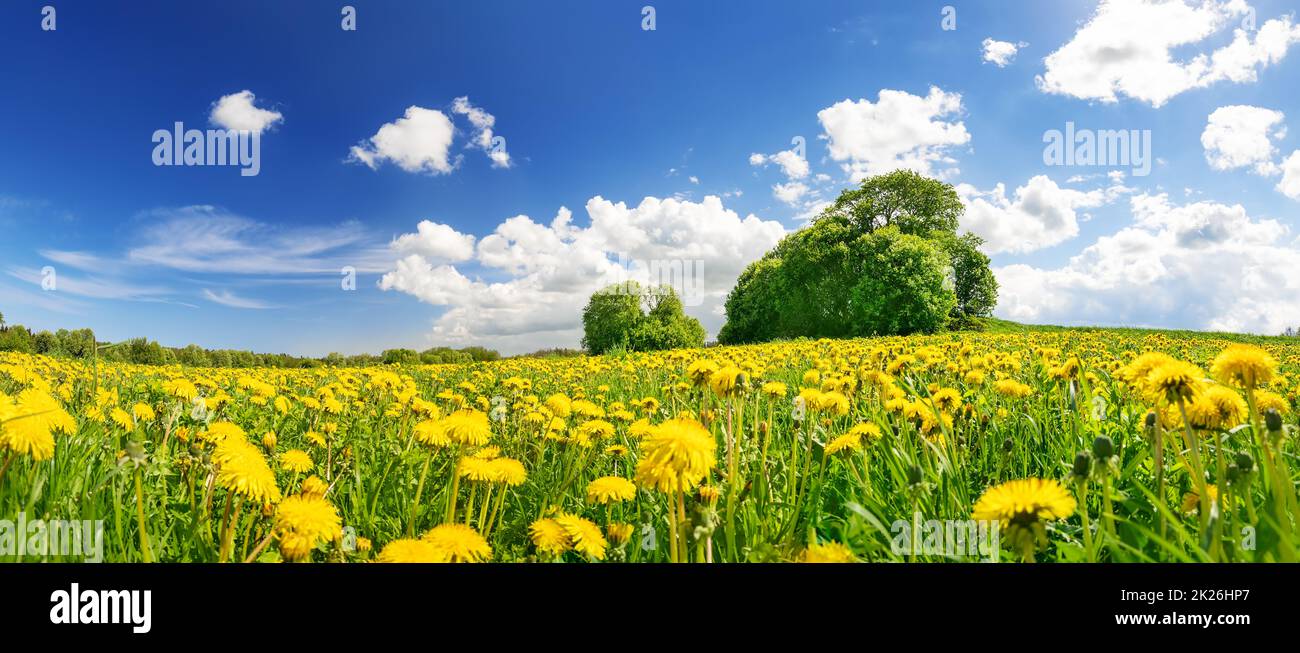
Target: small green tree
(666, 326)
(46, 343)
(614, 318)
(975, 286)
(400, 356)
(610, 316)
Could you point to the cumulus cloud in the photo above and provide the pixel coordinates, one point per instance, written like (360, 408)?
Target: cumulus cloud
(483, 136)
(1148, 50)
(1000, 53)
(435, 241)
(1290, 184)
(1202, 265)
(899, 130)
(540, 275)
(420, 141)
(790, 193)
(1241, 136)
(237, 112)
(792, 163)
(1039, 214)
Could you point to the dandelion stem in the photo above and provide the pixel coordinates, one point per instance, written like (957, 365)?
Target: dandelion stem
(419, 489)
(139, 507)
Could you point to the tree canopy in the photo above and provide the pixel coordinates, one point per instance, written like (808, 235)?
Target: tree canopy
(885, 258)
(81, 344)
(616, 318)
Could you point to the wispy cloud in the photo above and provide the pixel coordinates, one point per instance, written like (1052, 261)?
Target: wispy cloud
(227, 298)
(211, 240)
(93, 287)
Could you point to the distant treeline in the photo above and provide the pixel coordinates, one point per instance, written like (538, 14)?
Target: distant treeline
(80, 343)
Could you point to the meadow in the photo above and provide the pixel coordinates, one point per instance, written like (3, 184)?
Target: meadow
(1080, 445)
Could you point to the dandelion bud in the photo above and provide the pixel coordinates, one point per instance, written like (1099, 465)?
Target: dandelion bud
(135, 451)
(762, 429)
(314, 487)
(619, 533)
(1103, 448)
(1082, 465)
(1244, 462)
(1233, 473)
(914, 476)
(1272, 420)
(268, 440)
(1151, 420)
(363, 544)
(1008, 444)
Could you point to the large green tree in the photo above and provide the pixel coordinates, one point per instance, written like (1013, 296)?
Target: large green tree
(885, 257)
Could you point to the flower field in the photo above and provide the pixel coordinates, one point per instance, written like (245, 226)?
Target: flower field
(1079, 445)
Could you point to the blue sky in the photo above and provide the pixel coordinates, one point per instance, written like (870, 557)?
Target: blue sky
(631, 131)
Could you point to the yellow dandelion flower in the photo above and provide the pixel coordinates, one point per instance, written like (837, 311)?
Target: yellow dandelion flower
(585, 535)
(1218, 407)
(676, 456)
(302, 522)
(296, 461)
(829, 552)
(241, 469)
(407, 550)
(469, 427)
(1022, 508)
(846, 442)
(459, 543)
(1245, 365)
(610, 489)
(549, 537)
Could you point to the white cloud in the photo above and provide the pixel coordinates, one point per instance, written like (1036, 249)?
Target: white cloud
(1041, 214)
(1000, 53)
(483, 136)
(206, 239)
(227, 298)
(1129, 47)
(792, 164)
(694, 180)
(1290, 184)
(236, 111)
(790, 193)
(418, 142)
(545, 273)
(1240, 136)
(436, 241)
(91, 286)
(899, 130)
(1202, 265)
